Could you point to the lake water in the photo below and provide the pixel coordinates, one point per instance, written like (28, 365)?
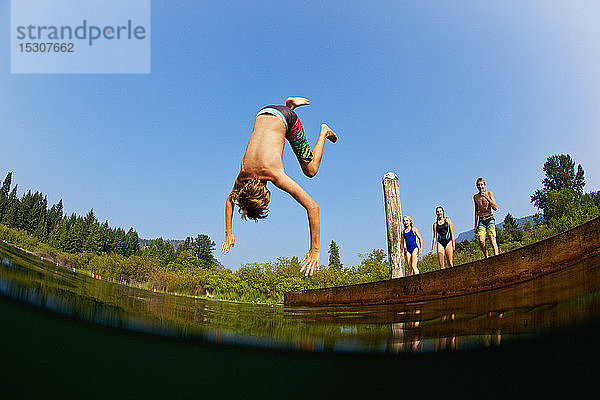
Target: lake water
(493, 318)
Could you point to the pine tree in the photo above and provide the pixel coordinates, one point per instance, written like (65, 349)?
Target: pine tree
(186, 245)
(93, 242)
(55, 215)
(26, 221)
(203, 248)
(88, 223)
(118, 242)
(106, 237)
(511, 229)
(4, 192)
(13, 216)
(510, 222)
(41, 230)
(34, 209)
(74, 239)
(132, 243)
(43, 215)
(58, 235)
(334, 256)
(71, 220)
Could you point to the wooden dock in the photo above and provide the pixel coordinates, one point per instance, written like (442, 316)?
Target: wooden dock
(520, 265)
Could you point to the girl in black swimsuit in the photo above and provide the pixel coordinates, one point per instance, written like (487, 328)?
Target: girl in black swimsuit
(443, 234)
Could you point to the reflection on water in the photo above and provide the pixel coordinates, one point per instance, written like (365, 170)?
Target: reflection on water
(484, 319)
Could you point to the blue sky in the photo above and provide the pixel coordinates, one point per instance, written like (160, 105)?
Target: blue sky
(438, 93)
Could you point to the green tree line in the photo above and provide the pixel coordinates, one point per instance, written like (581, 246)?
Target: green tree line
(71, 234)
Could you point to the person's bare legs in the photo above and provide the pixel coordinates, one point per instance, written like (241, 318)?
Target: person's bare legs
(450, 255)
(494, 244)
(409, 270)
(482, 245)
(310, 169)
(440, 254)
(414, 260)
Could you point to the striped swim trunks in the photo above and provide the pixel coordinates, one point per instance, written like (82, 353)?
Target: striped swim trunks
(294, 132)
(486, 225)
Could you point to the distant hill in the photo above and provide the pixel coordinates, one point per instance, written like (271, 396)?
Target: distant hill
(469, 235)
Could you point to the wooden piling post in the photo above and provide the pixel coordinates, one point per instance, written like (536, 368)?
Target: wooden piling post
(393, 216)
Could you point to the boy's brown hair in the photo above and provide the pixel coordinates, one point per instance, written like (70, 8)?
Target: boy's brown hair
(252, 199)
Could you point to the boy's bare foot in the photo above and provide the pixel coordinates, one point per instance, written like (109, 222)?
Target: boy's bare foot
(329, 134)
(293, 102)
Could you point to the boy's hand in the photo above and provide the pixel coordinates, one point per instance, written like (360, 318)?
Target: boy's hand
(228, 242)
(310, 262)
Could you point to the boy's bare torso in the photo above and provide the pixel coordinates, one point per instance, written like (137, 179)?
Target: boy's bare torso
(263, 157)
(483, 206)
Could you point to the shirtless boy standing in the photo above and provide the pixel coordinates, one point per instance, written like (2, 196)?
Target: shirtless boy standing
(484, 217)
(263, 163)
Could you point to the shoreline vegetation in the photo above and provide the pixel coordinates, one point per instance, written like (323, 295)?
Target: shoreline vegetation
(190, 269)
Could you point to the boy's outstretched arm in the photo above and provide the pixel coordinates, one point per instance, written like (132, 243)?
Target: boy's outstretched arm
(229, 238)
(310, 262)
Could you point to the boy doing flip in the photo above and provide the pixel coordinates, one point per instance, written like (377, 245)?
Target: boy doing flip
(484, 217)
(263, 163)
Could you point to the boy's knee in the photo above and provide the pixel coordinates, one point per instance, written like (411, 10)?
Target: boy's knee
(309, 171)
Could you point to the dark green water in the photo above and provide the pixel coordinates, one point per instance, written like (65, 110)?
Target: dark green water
(489, 319)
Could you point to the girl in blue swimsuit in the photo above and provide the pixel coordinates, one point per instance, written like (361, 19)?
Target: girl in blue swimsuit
(443, 234)
(413, 250)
